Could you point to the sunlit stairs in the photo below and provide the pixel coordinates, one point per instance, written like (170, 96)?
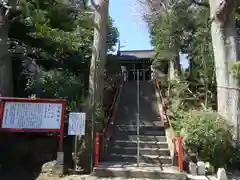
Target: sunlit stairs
(153, 147)
(120, 158)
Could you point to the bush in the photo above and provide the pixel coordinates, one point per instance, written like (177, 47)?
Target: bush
(209, 135)
(234, 162)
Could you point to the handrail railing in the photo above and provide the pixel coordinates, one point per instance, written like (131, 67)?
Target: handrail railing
(177, 141)
(164, 107)
(100, 137)
(112, 107)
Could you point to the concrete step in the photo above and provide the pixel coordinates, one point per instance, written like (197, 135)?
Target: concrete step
(141, 137)
(142, 144)
(141, 128)
(130, 170)
(149, 159)
(113, 178)
(143, 151)
(118, 133)
(142, 122)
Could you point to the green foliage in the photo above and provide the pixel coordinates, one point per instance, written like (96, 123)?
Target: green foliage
(58, 39)
(236, 70)
(208, 134)
(234, 161)
(55, 84)
(112, 36)
(185, 28)
(204, 131)
(168, 29)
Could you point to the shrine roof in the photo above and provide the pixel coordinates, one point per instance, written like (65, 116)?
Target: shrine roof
(136, 54)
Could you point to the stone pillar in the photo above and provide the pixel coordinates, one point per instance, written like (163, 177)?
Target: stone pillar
(152, 71)
(124, 73)
(125, 76)
(134, 76)
(144, 74)
(221, 174)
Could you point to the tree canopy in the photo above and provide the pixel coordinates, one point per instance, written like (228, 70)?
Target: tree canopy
(55, 38)
(196, 94)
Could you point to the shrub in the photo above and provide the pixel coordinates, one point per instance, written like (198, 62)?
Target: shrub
(234, 162)
(209, 135)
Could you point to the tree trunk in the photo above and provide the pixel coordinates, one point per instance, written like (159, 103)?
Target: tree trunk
(103, 42)
(99, 50)
(225, 47)
(6, 80)
(171, 70)
(175, 66)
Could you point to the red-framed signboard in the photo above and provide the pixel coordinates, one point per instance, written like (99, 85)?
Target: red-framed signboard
(33, 115)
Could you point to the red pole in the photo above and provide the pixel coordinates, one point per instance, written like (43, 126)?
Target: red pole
(61, 137)
(2, 103)
(97, 150)
(180, 153)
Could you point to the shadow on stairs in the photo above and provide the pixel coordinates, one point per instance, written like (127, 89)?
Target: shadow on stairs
(120, 157)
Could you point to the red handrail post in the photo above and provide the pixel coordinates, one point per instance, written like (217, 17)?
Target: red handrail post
(97, 149)
(180, 153)
(178, 148)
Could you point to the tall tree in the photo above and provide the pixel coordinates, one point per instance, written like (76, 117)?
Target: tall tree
(225, 50)
(6, 81)
(225, 46)
(163, 18)
(96, 76)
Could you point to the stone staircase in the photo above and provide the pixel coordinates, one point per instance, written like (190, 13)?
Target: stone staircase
(120, 159)
(153, 149)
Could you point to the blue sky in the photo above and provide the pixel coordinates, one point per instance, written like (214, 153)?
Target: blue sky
(133, 31)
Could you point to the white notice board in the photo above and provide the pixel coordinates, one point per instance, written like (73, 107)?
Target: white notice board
(76, 123)
(30, 115)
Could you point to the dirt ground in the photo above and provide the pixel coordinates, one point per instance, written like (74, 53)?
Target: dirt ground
(46, 176)
(83, 177)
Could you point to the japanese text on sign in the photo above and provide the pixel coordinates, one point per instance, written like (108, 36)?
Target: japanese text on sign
(32, 115)
(76, 124)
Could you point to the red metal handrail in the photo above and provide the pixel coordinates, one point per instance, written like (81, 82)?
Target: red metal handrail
(164, 107)
(111, 114)
(112, 108)
(100, 137)
(177, 141)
